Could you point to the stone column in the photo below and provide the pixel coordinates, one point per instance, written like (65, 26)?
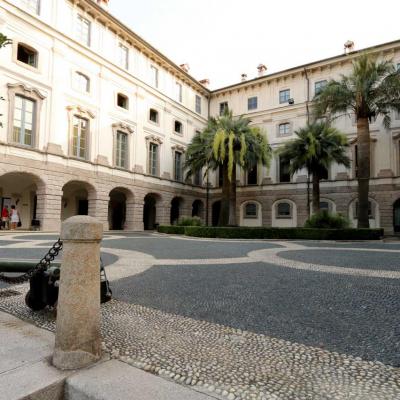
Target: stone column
(48, 210)
(134, 216)
(78, 337)
(98, 208)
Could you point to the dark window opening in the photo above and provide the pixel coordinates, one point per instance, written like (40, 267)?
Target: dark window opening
(27, 55)
(122, 101)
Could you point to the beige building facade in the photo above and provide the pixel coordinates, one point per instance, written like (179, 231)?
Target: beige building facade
(96, 121)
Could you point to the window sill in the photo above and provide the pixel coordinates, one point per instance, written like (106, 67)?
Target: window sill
(282, 217)
(27, 66)
(250, 217)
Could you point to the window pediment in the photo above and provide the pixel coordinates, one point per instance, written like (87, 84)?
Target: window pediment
(26, 90)
(153, 139)
(120, 126)
(82, 112)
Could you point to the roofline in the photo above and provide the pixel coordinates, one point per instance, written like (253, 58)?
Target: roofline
(258, 78)
(107, 14)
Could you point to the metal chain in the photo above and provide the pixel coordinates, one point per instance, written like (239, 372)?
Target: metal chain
(41, 266)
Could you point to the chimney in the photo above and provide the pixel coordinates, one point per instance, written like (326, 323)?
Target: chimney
(103, 3)
(185, 67)
(205, 82)
(348, 47)
(243, 77)
(261, 69)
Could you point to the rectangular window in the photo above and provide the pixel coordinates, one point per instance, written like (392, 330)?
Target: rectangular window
(198, 104)
(83, 30)
(23, 121)
(398, 67)
(355, 161)
(81, 82)
(178, 127)
(123, 56)
(79, 138)
(222, 107)
(121, 150)
(178, 89)
(252, 175)
(32, 6)
(284, 170)
(197, 178)
(178, 166)
(252, 103)
(250, 210)
(154, 76)
(319, 86)
(284, 129)
(153, 159)
(27, 55)
(284, 96)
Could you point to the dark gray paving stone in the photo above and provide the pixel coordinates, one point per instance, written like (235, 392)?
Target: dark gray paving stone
(6, 242)
(38, 237)
(347, 314)
(346, 258)
(361, 245)
(166, 248)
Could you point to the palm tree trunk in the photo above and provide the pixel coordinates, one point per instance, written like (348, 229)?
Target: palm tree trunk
(363, 170)
(232, 199)
(315, 193)
(224, 214)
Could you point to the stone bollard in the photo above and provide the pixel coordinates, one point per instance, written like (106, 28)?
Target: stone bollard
(78, 337)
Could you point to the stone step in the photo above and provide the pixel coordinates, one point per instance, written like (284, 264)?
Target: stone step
(119, 381)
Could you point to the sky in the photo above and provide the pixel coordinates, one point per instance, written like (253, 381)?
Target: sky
(221, 39)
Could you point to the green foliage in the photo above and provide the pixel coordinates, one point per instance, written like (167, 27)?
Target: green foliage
(171, 229)
(190, 221)
(371, 89)
(315, 148)
(4, 40)
(284, 233)
(325, 220)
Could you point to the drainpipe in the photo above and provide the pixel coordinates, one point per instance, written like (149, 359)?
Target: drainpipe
(207, 181)
(308, 121)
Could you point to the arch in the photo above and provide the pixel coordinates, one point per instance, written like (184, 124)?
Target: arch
(176, 209)
(120, 208)
(396, 216)
(198, 209)
(151, 200)
(21, 189)
(327, 204)
(284, 213)
(215, 212)
(251, 213)
(76, 198)
(374, 215)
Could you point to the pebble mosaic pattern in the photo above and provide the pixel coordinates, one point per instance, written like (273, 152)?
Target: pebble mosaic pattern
(230, 362)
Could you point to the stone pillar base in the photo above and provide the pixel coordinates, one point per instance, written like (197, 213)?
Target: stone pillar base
(67, 360)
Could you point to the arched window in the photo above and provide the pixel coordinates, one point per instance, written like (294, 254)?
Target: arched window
(283, 210)
(27, 55)
(81, 82)
(371, 210)
(250, 210)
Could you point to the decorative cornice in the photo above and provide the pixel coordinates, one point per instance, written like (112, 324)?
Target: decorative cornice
(123, 127)
(178, 147)
(27, 90)
(81, 111)
(153, 139)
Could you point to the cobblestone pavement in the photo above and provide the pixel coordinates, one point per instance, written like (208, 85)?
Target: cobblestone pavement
(248, 320)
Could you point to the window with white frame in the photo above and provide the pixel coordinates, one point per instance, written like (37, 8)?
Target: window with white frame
(32, 6)
(81, 82)
(319, 86)
(284, 96)
(178, 127)
(222, 107)
(154, 76)
(284, 170)
(324, 206)
(27, 55)
(83, 27)
(23, 126)
(283, 210)
(178, 93)
(121, 150)
(284, 129)
(198, 104)
(250, 210)
(370, 210)
(80, 137)
(153, 159)
(178, 166)
(123, 56)
(252, 103)
(153, 115)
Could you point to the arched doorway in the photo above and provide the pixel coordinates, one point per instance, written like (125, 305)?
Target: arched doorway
(117, 210)
(20, 189)
(175, 210)
(396, 216)
(150, 211)
(198, 209)
(216, 211)
(75, 199)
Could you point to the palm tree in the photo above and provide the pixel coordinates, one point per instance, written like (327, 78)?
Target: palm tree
(4, 40)
(225, 143)
(315, 148)
(372, 89)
